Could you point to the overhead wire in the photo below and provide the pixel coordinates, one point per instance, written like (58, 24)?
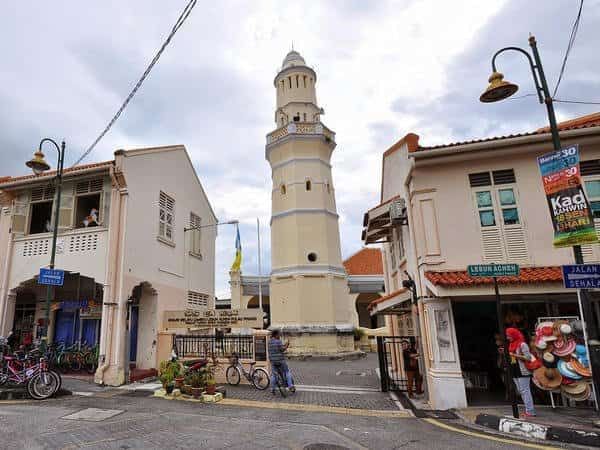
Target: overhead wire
(578, 102)
(180, 21)
(574, 29)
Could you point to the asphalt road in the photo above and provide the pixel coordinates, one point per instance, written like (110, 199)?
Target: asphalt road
(151, 423)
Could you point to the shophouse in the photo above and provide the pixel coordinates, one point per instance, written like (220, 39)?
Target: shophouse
(130, 245)
(448, 206)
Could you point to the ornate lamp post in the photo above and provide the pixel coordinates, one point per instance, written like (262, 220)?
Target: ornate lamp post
(500, 90)
(39, 166)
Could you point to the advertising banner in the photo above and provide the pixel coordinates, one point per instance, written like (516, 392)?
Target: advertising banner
(569, 208)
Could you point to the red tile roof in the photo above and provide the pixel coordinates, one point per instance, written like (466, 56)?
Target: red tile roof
(528, 275)
(587, 121)
(367, 261)
(52, 173)
(387, 297)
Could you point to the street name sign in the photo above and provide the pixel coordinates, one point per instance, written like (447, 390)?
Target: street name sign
(51, 277)
(581, 276)
(493, 270)
(213, 318)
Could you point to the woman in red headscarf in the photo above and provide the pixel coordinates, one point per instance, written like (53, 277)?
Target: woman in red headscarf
(519, 354)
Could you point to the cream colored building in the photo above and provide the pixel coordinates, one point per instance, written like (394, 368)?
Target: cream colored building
(448, 206)
(122, 274)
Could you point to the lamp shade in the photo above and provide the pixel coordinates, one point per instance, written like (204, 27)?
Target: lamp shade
(498, 89)
(38, 164)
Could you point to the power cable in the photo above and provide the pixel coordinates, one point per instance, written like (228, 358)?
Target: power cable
(569, 47)
(180, 21)
(576, 102)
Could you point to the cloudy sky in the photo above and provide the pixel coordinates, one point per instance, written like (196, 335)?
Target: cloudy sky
(385, 68)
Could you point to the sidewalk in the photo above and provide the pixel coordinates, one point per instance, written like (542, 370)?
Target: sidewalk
(565, 425)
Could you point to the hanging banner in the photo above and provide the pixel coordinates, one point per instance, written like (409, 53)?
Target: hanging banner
(569, 208)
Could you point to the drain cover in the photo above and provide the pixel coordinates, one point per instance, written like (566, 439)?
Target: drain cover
(93, 414)
(323, 446)
(434, 414)
(351, 372)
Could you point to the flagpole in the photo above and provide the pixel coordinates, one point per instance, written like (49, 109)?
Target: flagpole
(260, 305)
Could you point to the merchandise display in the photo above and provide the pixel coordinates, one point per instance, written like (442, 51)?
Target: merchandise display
(561, 362)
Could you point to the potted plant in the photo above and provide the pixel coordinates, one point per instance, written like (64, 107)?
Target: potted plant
(179, 379)
(211, 385)
(168, 370)
(197, 385)
(169, 388)
(187, 385)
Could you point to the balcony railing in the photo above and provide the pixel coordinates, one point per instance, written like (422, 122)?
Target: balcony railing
(305, 128)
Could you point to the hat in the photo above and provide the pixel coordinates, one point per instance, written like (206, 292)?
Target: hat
(544, 324)
(575, 388)
(534, 364)
(549, 360)
(541, 344)
(580, 368)
(567, 371)
(582, 355)
(550, 338)
(549, 379)
(566, 350)
(559, 343)
(565, 328)
(583, 396)
(566, 381)
(547, 331)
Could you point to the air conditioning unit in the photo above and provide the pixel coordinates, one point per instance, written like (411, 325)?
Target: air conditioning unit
(398, 212)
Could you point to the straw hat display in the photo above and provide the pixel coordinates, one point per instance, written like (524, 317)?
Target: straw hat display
(548, 379)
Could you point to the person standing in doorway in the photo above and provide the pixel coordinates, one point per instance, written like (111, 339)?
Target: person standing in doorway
(519, 354)
(411, 367)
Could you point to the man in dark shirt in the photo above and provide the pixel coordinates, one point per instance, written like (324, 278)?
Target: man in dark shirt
(277, 357)
(411, 367)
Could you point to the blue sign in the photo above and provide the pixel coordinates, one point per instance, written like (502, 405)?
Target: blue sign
(581, 276)
(52, 277)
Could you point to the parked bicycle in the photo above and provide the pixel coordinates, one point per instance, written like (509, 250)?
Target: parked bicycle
(258, 377)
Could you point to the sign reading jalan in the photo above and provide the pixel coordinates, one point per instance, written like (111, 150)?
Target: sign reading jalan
(493, 270)
(213, 318)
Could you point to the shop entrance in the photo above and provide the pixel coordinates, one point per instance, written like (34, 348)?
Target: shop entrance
(477, 337)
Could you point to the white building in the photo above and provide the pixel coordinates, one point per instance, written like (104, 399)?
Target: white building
(139, 260)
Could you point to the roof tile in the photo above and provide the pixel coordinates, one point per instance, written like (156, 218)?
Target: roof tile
(528, 275)
(367, 261)
(51, 173)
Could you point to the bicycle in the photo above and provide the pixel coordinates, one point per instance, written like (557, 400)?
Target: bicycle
(41, 383)
(258, 377)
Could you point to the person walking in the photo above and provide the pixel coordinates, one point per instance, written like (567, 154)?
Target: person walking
(519, 354)
(411, 367)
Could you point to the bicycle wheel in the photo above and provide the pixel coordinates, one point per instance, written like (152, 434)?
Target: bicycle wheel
(3, 378)
(56, 375)
(260, 379)
(42, 385)
(76, 363)
(233, 375)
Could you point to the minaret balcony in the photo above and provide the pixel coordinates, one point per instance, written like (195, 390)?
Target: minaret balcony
(300, 128)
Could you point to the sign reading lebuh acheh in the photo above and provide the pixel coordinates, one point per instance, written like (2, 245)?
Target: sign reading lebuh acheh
(570, 211)
(213, 318)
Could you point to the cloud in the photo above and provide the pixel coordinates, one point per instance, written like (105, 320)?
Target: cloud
(384, 68)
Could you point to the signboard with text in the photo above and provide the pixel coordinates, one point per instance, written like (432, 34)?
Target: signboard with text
(581, 276)
(51, 277)
(493, 270)
(569, 208)
(213, 318)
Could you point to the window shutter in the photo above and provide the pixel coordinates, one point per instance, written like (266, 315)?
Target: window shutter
(493, 250)
(591, 252)
(19, 216)
(65, 215)
(516, 244)
(480, 179)
(506, 176)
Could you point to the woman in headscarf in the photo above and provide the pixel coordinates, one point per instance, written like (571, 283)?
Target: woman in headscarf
(519, 354)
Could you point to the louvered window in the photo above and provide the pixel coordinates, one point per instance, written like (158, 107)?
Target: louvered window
(591, 252)
(502, 230)
(589, 167)
(196, 234)
(88, 203)
(166, 216)
(197, 300)
(40, 209)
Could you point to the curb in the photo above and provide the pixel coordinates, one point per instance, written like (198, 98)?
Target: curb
(347, 356)
(539, 432)
(22, 395)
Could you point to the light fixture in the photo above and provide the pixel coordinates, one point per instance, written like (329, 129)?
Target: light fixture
(498, 89)
(38, 164)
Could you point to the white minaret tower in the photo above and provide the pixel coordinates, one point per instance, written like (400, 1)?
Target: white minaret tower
(309, 297)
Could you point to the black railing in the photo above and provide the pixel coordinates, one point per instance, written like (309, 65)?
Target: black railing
(205, 346)
(389, 350)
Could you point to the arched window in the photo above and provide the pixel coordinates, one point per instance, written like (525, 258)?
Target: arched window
(305, 117)
(290, 81)
(297, 81)
(308, 185)
(283, 189)
(304, 80)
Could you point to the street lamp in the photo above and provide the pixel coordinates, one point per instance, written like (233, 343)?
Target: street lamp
(39, 165)
(500, 90)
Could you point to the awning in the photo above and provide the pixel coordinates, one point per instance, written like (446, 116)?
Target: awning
(378, 221)
(397, 302)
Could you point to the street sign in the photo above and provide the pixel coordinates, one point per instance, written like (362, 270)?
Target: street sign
(51, 277)
(210, 318)
(581, 276)
(493, 270)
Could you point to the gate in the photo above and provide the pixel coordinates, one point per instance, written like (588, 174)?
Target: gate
(204, 346)
(389, 350)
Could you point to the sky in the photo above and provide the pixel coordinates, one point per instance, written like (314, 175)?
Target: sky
(384, 68)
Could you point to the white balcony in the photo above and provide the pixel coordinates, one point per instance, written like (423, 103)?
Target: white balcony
(82, 250)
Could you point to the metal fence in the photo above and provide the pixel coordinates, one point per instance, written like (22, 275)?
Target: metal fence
(389, 350)
(204, 346)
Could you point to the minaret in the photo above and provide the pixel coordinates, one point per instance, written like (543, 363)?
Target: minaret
(309, 297)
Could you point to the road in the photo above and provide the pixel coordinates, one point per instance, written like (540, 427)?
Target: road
(152, 423)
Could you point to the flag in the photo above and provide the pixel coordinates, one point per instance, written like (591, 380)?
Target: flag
(237, 262)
